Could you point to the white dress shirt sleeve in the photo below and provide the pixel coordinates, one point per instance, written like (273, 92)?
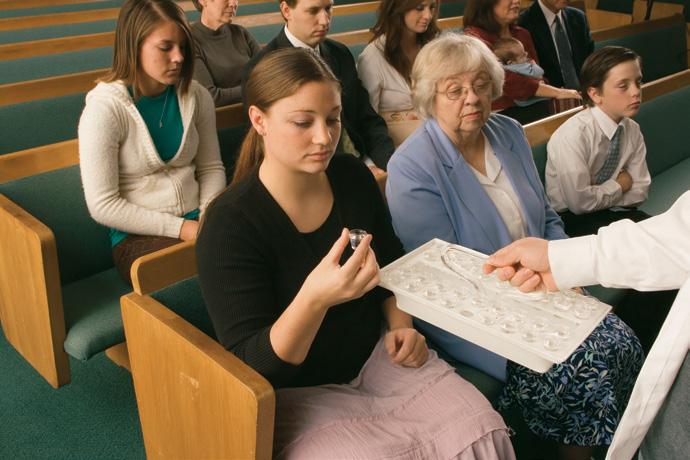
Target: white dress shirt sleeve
(636, 166)
(651, 255)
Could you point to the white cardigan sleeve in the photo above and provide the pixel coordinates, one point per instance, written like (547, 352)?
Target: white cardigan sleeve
(369, 70)
(210, 172)
(651, 255)
(102, 131)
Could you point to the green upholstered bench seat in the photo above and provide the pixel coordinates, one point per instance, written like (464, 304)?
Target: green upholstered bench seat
(92, 313)
(91, 288)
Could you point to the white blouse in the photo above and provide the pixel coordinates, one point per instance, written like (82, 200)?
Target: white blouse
(497, 185)
(388, 90)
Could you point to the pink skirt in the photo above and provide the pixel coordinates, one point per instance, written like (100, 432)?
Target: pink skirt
(390, 412)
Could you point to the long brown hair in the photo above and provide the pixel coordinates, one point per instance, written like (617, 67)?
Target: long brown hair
(136, 21)
(480, 14)
(278, 75)
(391, 24)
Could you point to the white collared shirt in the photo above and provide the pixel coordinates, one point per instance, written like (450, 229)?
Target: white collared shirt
(550, 20)
(651, 255)
(297, 43)
(497, 185)
(576, 152)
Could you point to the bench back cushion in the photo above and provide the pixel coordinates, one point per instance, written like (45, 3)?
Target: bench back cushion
(663, 51)
(41, 122)
(184, 298)
(56, 198)
(664, 122)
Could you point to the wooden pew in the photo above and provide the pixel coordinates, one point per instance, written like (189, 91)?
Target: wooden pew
(80, 42)
(76, 17)
(15, 93)
(21, 4)
(540, 131)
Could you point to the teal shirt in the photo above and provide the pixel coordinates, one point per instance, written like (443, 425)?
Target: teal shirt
(164, 122)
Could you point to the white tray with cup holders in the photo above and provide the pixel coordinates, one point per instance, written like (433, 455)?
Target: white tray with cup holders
(443, 284)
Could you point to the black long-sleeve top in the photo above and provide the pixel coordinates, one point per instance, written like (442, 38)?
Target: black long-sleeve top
(253, 260)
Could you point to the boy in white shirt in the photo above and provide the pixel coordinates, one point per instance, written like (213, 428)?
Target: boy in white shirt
(596, 171)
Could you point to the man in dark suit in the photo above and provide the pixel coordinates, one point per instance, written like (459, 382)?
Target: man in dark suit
(364, 131)
(562, 39)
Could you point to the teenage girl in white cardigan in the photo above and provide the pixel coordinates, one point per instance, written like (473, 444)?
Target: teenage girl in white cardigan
(148, 147)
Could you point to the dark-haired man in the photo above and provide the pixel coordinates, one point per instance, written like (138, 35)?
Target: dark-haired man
(364, 132)
(562, 39)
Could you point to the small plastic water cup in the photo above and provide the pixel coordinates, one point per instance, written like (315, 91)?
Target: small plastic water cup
(356, 237)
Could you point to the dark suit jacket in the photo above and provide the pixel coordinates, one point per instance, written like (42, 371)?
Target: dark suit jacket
(365, 127)
(577, 28)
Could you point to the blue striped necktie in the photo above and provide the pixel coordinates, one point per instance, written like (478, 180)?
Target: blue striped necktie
(611, 162)
(565, 57)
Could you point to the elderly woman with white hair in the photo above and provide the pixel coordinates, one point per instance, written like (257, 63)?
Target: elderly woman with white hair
(467, 176)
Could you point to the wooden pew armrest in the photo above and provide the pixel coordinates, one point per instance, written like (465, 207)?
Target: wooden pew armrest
(31, 297)
(195, 399)
(162, 268)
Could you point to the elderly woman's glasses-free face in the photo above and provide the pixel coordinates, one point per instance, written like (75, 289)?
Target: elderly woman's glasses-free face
(456, 92)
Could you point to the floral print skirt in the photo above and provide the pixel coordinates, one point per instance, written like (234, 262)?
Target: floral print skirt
(581, 400)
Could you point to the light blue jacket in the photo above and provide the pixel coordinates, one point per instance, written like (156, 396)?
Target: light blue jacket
(433, 193)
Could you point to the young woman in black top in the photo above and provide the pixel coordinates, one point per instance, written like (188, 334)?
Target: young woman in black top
(288, 296)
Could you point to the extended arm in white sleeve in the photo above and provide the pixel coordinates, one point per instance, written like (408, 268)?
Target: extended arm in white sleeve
(568, 152)
(651, 255)
(210, 172)
(100, 130)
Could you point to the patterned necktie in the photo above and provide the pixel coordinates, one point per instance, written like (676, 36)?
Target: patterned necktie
(612, 157)
(568, 71)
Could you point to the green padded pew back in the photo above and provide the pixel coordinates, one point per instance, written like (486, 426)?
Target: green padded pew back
(60, 9)
(35, 67)
(56, 198)
(663, 51)
(539, 155)
(662, 121)
(32, 68)
(616, 6)
(230, 140)
(184, 298)
(41, 122)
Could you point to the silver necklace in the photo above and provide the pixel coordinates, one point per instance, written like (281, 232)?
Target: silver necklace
(160, 121)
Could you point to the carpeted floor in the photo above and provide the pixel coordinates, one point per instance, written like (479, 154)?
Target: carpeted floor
(94, 417)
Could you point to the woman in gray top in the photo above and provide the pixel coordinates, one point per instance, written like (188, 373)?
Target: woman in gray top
(222, 50)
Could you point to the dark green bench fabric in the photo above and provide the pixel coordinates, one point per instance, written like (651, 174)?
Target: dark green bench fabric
(41, 122)
(35, 67)
(663, 51)
(616, 6)
(663, 122)
(91, 287)
(53, 9)
(669, 436)
(184, 298)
